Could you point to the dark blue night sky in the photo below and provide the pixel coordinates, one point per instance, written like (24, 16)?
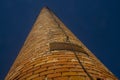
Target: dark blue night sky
(95, 22)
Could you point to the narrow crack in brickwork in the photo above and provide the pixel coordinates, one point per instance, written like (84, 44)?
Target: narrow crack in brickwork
(72, 48)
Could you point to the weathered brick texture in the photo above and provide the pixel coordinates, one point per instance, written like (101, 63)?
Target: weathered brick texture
(49, 54)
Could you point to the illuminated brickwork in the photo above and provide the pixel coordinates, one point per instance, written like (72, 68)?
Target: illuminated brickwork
(52, 52)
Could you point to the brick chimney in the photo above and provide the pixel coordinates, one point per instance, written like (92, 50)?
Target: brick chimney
(52, 52)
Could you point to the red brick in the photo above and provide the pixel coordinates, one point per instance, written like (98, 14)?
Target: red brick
(33, 69)
(70, 74)
(54, 75)
(47, 72)
(26, 75)
(76, 69)
(62, 70)
(26, 68)
(39, 78)
(47, 65)
(32, 76)
(54, 67)
(40, 70)
(77, 78)
(61, 78)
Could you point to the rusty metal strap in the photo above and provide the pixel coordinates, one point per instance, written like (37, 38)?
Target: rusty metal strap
(65, 46)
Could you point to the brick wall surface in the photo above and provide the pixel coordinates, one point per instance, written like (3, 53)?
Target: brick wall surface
(37, 60)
